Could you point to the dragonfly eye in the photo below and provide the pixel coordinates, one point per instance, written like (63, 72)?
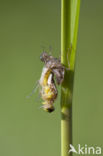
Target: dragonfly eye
(41, 58)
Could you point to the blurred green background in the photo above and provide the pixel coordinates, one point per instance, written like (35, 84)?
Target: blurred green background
(26, 26)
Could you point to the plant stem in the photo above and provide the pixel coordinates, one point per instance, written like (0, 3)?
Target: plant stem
(69, 27)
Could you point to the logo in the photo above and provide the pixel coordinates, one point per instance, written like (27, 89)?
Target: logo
(85, 149)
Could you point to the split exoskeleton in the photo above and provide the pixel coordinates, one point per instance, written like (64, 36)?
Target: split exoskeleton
(52, 67)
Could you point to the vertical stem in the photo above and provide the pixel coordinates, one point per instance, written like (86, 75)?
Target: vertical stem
(69, 27)
(66, 132)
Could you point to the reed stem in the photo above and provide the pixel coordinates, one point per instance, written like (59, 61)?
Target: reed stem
(69, 27)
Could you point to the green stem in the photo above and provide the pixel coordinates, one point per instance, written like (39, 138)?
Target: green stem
(69, 27)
